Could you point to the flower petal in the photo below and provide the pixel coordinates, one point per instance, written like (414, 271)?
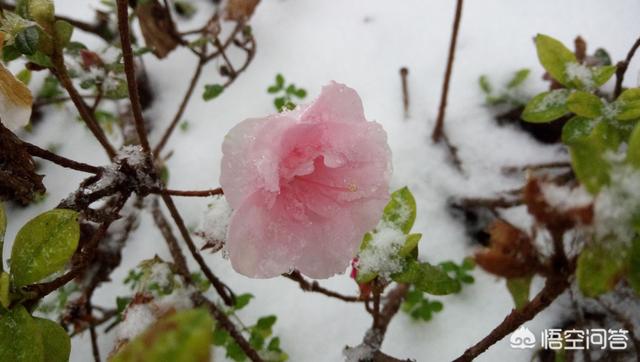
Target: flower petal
(337, 103)
(15, 101)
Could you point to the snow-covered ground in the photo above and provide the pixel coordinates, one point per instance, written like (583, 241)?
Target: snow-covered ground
(362, 44)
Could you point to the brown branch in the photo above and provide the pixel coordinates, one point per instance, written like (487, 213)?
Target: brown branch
(198, 299)
(191, 193)
(438, 130)
(553, 288)
(374, 337)
(60, 71)
(92, 331)
(223, 290)
(622, 68)
(315, 287)
(130, 72)
(404, 72)
(181, 108)
(59, 160)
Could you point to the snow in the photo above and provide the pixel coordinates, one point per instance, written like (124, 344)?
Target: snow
(581, 73)
(216, 220)
(565, 198)
(616, 205)
(552, 99)
(311, 43)
(379, 255)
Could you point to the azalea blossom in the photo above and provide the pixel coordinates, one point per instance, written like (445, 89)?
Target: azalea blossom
(304, 186)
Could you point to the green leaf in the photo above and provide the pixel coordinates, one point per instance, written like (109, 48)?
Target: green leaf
(63, 32)
(588, 146)
(27, 40)
(5, 300)
(42, 11)
(410, 244)
(400, 212)
(56, 341)
(44, 245)
(20, 336)
(212, 91)
(519, 290)
(300, 93)
(554, 57)
(602, 74)
(600, 266)
(518, 78)
(628, 105)
(242, 300)
(9, 53)
(602, 56)
(24, 76)
(634, 265)
(585, 104)
(279, 103)
(633, 150)
(427, 278)
(181, 337)
(279, 81)
(485, 85)
(547, 106)
(235, 352)
(273, 89)
(220, 337)
(265, 324)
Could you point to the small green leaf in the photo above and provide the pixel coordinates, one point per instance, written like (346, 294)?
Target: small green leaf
(279, 103)
(300, 93)
(5, 300)
(279, 81)
(602, 56)
(24, 76)
(212, 91)
(44, 245)
(220, 337)
(633, 150)
(27, 40)
(485, 85)
(519, 77)
(20, 336)
(56, 341)
(554, 57)
(242, 301)
(265, 323)
(519, 290)
(409, 245)
(63, 32)
(291, 89)
(585, 104)
(600, 266)
(181, 337)
(602, 74)
(427, 278)
(273, 89)
(628, 105)
(547, 106)
(400, 212)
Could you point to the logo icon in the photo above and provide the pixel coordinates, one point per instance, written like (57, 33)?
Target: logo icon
(522, 338)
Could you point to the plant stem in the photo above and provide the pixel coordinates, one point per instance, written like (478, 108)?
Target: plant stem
(315, 287)
(59, 160)
(622, 68)
(129, 69)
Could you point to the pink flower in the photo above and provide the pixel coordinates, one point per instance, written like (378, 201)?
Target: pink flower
(305, 186)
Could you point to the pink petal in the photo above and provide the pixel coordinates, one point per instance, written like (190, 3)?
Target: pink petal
(337, 103)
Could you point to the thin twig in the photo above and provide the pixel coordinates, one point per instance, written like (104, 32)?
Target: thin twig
(223, 290)
(622, 68)
(129, 69)
(181, 108)
(94, 336)
(193, 193)
(537, 166)
(552, 289)
(438, 130)
(315, 287)
(404, 72)
(59, 160)
(60, 71)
